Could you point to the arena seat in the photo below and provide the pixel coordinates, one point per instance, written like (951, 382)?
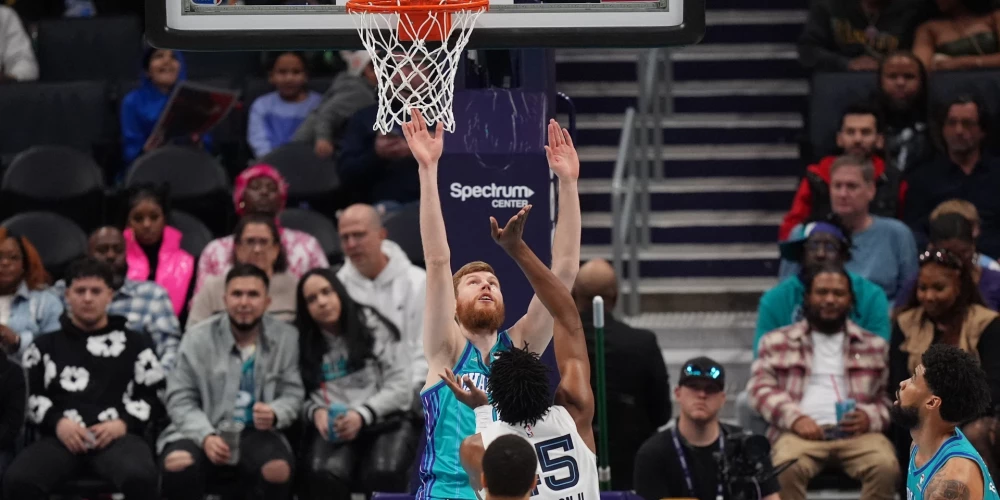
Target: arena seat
(311, 180)
(196, 234)
(831, 94)
(404, 229)
(98, 48)
(59, 240)
(234, 66)
(68, 114)
(198, 184)
(318, 226)
(57, 178)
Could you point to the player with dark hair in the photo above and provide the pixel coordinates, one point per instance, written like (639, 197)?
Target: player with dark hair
(509, 469)
(947, 388)
(562, 434)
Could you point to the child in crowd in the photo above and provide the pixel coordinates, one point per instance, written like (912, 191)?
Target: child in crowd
(275, 116)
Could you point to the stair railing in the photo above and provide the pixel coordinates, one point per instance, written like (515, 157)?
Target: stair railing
(640, 154)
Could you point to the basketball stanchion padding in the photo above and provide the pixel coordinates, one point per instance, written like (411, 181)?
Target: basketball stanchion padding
(416, 47)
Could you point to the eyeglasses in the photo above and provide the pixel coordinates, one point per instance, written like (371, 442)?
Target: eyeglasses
(695, 370)
(255, 243)
(942, 257)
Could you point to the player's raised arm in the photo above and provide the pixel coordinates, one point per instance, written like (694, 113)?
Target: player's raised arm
(441, 335)
(574, 392)
(535, 327)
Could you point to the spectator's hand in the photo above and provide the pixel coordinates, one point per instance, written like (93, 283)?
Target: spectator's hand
(347, 425)
(324, 148)
(807, 428)
(855, 422)
(561, 154)
(426, 148)
(321, 419)
(9, 340)
(263, 417)
(73, 436)
(154, 141)
(216, 450)
(863, 63)
(509, 237)
(106, 433)
(472, 397)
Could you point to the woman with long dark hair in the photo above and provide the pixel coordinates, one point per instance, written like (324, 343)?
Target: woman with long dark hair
(153, 247)
(945, 307)
(966, 36)
(901, 98)
(357, 377)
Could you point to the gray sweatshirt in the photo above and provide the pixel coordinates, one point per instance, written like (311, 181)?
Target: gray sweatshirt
(379, 389)
(202, 388)
(347, 94)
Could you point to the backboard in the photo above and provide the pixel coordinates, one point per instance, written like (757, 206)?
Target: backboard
(201, 25)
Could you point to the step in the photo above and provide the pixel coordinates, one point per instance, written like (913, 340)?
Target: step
(722, 96)
(754, 26)
(693, 226)
(687, 294)
(737, 160)
(697, 62)
(698, 261)
(697, 128)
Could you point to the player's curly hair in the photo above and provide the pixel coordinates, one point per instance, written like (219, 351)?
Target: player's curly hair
(956, 377)
(519, 386)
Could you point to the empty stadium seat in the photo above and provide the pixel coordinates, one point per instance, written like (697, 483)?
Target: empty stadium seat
(55, 178)
(831, 94)
(68, 114)
(404, 229)
(311, 180)
(235, 66)
(198, 184)
(99, 48)
(59, 240)
(196, 234)
(318, 226)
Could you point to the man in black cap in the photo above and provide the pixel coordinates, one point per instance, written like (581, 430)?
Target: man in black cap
(681, 460)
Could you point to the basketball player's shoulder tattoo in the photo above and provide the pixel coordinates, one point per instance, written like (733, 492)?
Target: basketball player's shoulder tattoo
(947, 489)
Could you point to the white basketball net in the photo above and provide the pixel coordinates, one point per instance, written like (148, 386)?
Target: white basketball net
(418, 74)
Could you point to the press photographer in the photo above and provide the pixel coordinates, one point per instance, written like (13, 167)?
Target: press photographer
(691, 458)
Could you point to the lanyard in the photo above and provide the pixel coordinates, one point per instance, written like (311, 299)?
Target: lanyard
(687, 471)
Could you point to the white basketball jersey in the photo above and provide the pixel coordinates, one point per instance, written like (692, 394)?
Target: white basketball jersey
(567, 469)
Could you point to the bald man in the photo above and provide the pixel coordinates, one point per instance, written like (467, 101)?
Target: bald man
(638, 387)
(144, 304)
(378, 273)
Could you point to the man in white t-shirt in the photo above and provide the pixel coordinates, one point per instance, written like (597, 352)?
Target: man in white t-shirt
(821, 385)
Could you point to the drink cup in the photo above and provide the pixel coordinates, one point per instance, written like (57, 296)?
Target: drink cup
(335, 410)
(230, 431)
(844, 407)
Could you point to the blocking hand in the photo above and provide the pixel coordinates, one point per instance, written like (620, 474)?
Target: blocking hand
(426, 148)
(510, 235)
(473, 397)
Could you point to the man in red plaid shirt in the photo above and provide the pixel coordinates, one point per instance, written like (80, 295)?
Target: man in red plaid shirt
(821, 385)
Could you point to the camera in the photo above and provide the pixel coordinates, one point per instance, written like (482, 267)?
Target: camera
(744, 465)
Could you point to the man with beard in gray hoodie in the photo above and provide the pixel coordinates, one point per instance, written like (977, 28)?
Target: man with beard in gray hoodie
(378, 273)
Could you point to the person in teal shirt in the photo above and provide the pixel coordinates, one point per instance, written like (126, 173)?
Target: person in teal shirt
(823, 241)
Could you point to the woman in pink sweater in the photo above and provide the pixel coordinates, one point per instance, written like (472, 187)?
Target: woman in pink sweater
(153, 248)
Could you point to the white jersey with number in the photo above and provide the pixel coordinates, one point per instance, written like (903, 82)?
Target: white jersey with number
(567, 469)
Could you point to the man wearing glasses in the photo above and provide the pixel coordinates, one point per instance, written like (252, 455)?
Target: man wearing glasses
(681, 460)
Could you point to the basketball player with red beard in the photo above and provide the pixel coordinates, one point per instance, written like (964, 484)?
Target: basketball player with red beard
(463, 312)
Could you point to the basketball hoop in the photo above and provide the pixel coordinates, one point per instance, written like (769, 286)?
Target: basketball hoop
(415, 46)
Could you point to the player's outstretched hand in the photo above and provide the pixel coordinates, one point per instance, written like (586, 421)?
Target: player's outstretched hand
(510, 235)
(472, 397)
(426, 148)
(561, 153)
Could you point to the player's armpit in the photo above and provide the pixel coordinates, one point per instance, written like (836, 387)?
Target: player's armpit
(959, 479)
(471, 454)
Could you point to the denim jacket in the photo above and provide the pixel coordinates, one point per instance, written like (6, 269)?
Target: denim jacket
(33, 313)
